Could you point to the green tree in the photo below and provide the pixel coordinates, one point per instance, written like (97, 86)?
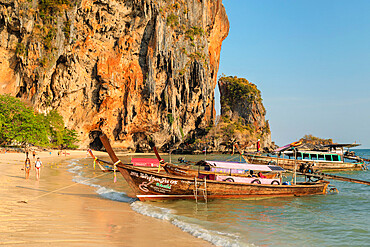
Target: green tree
(21, 124)
(69, 138)
(56, 127)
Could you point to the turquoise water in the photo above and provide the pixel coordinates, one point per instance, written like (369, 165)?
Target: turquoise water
(323, 220)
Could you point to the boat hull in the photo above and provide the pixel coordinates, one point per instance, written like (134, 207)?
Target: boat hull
(149, 185)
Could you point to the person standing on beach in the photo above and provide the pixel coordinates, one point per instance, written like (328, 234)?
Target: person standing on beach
(38, 165)
(27, 167)
(258, 145)
(33, 154)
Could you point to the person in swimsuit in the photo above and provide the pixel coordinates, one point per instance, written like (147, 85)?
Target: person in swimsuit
(38, 165)
(27, 167)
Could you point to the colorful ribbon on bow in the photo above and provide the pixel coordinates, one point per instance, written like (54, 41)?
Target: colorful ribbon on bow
(95, 162)
(114, 171)
(160, 162)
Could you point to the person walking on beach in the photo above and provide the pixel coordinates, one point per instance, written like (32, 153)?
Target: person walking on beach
(33, 154)
(38, 165)
(27, 167)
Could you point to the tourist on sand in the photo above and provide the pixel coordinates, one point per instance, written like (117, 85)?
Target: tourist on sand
(33, 154)
(38, 165)
(27, 167)
(27, 154)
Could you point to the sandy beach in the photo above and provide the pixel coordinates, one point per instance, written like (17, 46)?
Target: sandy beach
(59, 212)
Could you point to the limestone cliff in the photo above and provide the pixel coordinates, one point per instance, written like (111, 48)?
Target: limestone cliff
(137, 70)
(242, 121)
(241, 104)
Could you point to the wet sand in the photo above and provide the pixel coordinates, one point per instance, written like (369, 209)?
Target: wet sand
(55, 211)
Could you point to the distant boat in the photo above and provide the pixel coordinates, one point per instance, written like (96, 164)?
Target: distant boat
(150, 185)
(321, 160)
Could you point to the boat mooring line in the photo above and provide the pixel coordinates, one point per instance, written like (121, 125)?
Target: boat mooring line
(165, 196)
(65, 187)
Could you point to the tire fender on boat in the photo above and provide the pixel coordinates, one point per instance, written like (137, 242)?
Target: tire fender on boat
(275, 182)
(256, 181)
(229, 180)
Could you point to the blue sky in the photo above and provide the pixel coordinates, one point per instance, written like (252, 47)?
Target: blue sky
(311, 61)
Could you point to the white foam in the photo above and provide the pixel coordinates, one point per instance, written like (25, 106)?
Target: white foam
(101, 190)
(214, 237)
(155, 212)
(74, 169)
(114, 195)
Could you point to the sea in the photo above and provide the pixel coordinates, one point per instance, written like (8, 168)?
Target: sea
(338, 219)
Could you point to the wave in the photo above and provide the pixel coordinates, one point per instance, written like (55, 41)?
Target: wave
(104, 192)
(114, 195)
(214, 237)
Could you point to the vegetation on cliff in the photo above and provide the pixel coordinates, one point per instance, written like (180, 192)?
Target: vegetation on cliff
(45, 28)
(239, 90)
(19, 124)
(241, 107)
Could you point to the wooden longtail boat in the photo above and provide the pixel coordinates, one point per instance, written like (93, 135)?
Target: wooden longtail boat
(149, 185)
(292, 158)
(322, 161)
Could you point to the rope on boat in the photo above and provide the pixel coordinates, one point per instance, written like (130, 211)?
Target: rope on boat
(65, 187)
(320, 175)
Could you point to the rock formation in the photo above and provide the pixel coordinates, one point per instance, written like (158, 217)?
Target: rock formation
(241, 103)
(242, 121)
(137, 70)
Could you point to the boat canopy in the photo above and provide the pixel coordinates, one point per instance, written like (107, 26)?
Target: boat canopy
(244, 166)
(145, 162)
(343, 145)
(330, 146)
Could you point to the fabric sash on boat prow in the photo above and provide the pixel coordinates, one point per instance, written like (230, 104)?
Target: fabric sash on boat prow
(112, 155)
(161, 161)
